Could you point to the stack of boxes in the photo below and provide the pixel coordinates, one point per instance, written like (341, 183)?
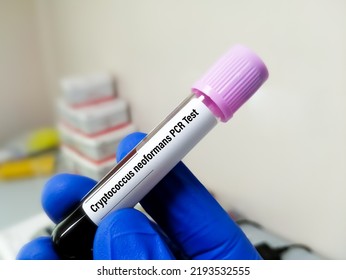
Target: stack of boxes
(91, 122)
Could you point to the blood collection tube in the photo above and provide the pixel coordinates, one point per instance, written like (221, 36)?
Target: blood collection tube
(230, 82)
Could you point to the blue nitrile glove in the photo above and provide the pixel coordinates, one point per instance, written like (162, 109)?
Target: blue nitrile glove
(189, 220)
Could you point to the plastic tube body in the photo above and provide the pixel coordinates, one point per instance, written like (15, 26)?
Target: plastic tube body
(134, 176)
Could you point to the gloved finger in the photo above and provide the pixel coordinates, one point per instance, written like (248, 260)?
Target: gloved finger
(190, 216)
(62, 193)
(38, 249)
(128, 143)
(128, 234)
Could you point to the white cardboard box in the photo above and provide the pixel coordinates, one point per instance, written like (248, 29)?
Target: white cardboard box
(99, 147)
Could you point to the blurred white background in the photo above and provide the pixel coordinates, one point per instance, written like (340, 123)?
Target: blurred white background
(280, 161)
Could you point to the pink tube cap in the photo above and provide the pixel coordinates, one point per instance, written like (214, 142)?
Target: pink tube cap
(231, 81)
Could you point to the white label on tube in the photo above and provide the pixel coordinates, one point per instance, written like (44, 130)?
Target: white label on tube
(152, 161)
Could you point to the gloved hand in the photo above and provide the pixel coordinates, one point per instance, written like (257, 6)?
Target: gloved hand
(189, 222)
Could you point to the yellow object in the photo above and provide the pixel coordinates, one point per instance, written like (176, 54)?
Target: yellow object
(42, 139)
(28, 167)
(30, 144)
